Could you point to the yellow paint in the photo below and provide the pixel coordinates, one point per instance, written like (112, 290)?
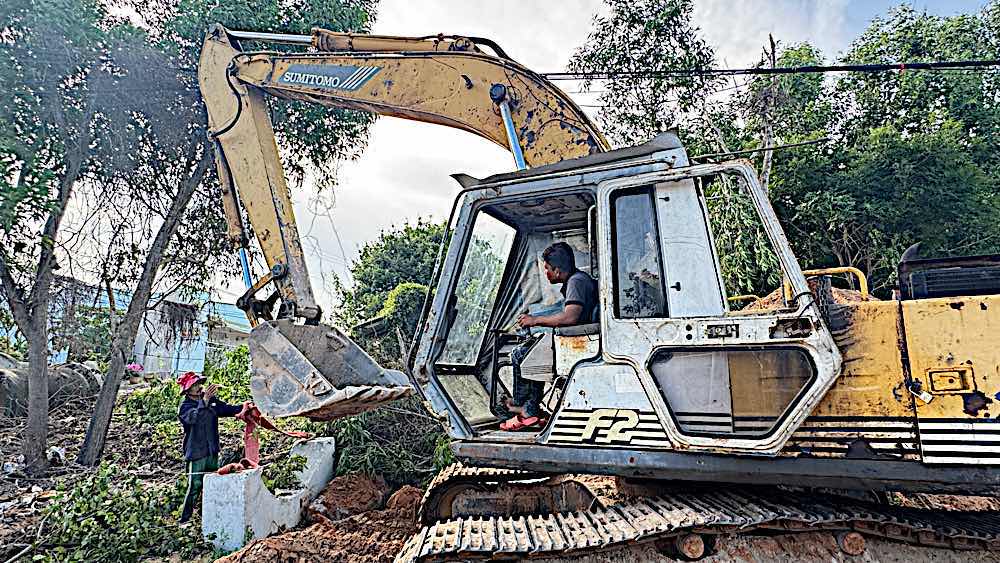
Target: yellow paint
(440, 80)
(954, 335)
(872, 382)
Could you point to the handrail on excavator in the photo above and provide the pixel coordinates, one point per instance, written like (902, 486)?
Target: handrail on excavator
(862, 279)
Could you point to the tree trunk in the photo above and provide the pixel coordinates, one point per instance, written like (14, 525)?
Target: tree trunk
(128, 327)
(37, 431)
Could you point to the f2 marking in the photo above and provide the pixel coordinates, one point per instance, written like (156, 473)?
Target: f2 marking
(617, 421)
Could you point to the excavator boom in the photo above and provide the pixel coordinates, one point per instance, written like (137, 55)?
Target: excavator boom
(445, 80)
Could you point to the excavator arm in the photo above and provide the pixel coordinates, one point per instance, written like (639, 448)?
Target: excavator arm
(305, 369)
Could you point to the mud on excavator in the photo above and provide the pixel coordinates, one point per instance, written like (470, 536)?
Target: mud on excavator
(672, 382)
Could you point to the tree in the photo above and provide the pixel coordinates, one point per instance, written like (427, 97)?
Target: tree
(400, 256)
(910, 156)
(56, 74)
(390, 283)
(909, 159)
(639, 36)
(314, 137)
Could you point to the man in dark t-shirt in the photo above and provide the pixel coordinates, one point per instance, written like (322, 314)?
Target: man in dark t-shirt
(580, 306)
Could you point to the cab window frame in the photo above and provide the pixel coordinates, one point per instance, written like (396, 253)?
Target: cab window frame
(615, 196)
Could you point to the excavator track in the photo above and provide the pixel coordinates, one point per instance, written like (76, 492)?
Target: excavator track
(671, 516)
(436, 503)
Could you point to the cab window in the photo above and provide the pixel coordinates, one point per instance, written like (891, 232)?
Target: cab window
(482, 271)
(638, 267)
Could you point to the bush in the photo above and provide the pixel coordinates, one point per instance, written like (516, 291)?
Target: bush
(168, 440)
(281, 474)
(399, 442)
(232, 376)
(155, 405)
(110, 516)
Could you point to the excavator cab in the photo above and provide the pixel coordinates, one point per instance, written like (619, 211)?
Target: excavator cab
(666, 360)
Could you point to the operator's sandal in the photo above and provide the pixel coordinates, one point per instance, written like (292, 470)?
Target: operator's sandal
(519, 423)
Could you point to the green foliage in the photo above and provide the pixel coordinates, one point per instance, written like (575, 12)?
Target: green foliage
(155, 405)
(749, 265)
(403, 255)
(232, 376)
(443, 456)
(398, 316)
(110, 515)
(400, 442)
(865, 204)
(913, 156)
(314, 137)
(167, 439)
(281, 474)
(645, 35)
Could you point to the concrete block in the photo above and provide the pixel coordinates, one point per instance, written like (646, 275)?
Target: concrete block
(238, 507)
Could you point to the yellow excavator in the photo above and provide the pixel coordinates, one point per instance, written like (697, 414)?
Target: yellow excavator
(671, 382)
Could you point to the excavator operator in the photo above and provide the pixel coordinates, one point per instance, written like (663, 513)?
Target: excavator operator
(579, 292)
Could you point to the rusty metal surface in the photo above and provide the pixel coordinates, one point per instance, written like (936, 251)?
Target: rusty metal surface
(674, 515)
(316, 371)
(952, 355)
(475, 491)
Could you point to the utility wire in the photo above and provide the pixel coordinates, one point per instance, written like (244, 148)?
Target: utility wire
(809, 69)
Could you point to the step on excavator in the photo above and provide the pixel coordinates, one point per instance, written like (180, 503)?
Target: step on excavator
(734, 418)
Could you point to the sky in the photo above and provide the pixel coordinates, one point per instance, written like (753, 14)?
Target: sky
(404, 173)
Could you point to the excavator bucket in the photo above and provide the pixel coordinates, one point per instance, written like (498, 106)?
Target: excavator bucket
(316, 371)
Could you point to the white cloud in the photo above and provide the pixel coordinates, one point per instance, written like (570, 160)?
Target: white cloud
(739, 30)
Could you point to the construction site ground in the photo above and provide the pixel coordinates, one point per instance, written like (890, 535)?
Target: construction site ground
(358, 519)
(376, 534)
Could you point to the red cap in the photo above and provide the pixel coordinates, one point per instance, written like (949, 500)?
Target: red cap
(189, 379)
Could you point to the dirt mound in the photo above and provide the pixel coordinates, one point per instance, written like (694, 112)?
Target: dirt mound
(405, 501)
(346, 496)
(775, 300)
(948, 502)
(374, 536)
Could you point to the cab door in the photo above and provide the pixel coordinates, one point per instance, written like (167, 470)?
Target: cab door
(719, 380)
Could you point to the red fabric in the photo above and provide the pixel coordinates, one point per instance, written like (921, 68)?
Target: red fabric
(251, 445)
(188, 379)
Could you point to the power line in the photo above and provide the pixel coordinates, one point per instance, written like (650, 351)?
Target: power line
(808, 69)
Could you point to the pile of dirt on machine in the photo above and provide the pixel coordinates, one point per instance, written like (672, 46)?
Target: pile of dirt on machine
(775, 300)
(351, 523)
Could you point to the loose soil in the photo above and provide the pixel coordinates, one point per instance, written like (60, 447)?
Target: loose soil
(376, 535)
(775, 299)
(348, 495)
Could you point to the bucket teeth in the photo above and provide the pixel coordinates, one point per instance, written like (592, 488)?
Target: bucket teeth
(316, 371)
